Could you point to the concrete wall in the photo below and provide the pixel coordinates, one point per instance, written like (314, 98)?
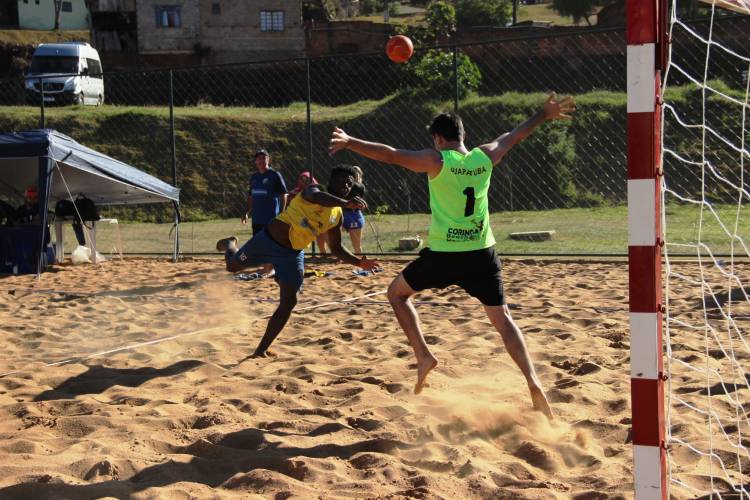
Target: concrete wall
(157, 40)
(41, 16)
(232, 35)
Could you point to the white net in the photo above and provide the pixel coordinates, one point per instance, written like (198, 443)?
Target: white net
(707, 234)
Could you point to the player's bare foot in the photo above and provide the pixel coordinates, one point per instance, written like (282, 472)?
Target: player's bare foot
(225, 243)
(424, 366)
(540, 401)
(263, 354)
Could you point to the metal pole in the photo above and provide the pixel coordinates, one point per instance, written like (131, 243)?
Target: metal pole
(42, 121)
(455, 80)
(309, 130)
(174, 165)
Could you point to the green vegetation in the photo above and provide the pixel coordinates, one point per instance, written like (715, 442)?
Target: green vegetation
(577, 231)
(432, 74)
(34, 37)
(483, 12)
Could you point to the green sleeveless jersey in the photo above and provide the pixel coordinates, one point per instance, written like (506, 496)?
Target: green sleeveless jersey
(458, 200)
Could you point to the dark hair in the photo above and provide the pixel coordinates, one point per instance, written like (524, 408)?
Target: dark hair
(358, 189)
(344, 170)
(447, 125)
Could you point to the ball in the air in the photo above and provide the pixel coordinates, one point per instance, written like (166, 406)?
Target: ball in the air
(399, 48)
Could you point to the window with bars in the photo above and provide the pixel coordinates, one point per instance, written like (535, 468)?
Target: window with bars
(272, 20)
(168, 16)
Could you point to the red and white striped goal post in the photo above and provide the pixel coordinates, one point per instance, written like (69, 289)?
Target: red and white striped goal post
(646, 59)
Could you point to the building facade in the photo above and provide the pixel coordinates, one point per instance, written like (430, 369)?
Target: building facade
(40, 15)
(219, 31)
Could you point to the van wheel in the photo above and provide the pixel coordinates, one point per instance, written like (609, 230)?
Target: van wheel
(100, 100)
(79, 99)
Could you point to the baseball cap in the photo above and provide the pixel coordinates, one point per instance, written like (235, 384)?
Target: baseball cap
(261, 151)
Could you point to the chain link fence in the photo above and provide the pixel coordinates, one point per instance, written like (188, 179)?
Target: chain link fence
(568, 176)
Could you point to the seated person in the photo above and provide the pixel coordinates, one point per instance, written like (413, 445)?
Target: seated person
(28, 213)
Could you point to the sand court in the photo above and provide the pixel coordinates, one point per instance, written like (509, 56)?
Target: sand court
(184, 414)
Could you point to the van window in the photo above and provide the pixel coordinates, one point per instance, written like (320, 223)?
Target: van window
(54, 64)
(95, 68)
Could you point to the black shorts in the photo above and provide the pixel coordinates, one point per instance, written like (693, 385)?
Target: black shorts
(478, 272)
(258, 228)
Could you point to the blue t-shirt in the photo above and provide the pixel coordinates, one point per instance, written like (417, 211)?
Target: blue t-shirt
(265, 189)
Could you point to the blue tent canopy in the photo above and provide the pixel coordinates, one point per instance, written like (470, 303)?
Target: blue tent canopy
(63, 169)
(75, 169)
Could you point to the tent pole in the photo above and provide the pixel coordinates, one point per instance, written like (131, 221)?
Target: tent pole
(45, 173)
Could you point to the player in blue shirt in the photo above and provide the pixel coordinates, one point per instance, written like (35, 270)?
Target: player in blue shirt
(267, 196)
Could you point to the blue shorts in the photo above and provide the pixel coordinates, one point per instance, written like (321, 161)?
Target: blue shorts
(261, 249)
(353, 219)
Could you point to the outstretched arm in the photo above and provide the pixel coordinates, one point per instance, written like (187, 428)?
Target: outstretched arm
(427, 161)
(334, 240)
(552, 110)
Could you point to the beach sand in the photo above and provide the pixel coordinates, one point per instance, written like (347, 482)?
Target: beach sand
(332, 415)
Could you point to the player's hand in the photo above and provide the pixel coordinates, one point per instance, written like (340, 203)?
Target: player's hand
(555, 109)
(356, 203)
(339, 141)
(368, 264)
(244, 219)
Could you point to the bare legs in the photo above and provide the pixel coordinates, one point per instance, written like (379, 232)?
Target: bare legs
(512, 337)
(322, 240)
(356, 237)
(288, 299)
(399, 293)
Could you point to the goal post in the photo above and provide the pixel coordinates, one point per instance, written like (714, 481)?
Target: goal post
(646, 55)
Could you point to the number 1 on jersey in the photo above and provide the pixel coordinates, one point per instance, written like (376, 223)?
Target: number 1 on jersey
(469, 209)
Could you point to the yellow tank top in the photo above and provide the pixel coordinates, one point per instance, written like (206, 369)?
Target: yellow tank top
(307, 220)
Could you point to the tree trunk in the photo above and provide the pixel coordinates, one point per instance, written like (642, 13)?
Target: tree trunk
(58, 8)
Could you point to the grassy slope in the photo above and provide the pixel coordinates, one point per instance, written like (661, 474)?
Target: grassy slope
(34, 37)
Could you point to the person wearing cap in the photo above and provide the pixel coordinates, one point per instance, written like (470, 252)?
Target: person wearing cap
(266, 197)
(28, 213)
(461, 244)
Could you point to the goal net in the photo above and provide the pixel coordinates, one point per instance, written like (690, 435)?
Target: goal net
(706, 277)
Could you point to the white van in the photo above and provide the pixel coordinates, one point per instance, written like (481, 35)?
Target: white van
(71, 72)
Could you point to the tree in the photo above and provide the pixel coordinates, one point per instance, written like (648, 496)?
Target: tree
(58, 7)
(577, 9)
(440, 18)
(432, 75)
(483, 12)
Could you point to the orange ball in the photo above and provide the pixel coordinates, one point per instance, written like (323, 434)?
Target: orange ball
(399, 48)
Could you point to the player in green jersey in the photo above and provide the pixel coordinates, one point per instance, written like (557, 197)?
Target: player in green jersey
(461, 245)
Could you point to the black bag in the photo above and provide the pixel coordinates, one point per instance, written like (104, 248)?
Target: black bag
(87, 209)
(65, 208)
(83, 210)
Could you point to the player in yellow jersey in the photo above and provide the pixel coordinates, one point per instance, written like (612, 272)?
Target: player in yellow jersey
(281, 243)
(461, 245)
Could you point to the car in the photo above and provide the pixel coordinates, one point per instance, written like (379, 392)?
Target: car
(71, 73)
